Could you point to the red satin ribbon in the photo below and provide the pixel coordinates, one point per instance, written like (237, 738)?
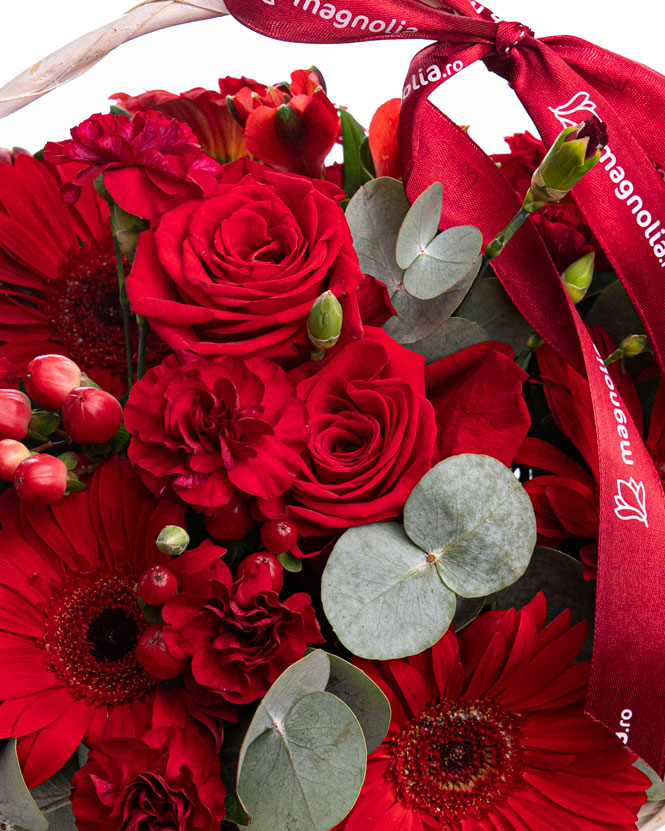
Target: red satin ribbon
(560, 81)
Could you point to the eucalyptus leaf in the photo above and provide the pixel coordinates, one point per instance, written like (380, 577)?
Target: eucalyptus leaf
(656, 792)
(382, 596)
(488, 305)
(454, 334)
(375, 215)
(420, 225)
(17, 806)
(466, 610)
(354, 173)
(561, 579)
(305, 773)
(362, 695)
(614, 311)
(471, 513)
(447, 260)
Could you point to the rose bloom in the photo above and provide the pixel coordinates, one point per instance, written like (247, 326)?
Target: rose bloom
(237, 273)
(488, 733)
(150, 162)
(168, 778)
(238, 635)
(373, 435)
(70, 621)
(208, 429)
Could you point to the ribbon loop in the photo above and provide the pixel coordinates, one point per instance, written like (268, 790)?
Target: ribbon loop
(508, 36)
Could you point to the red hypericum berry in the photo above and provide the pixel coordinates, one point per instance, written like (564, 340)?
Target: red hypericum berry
(41, 479)
(154, 656)
(232, 521)
(263, 558)
(49, 378)
(90, 415)
(279, 535)
(12, 453)
(156, 585)
(15, 414)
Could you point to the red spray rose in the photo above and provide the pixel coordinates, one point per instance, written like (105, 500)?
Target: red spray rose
(208, 429)
(150, 162)
(373, 434)
(239, 636)
(478, 401)
(237, 273)
(169, 778)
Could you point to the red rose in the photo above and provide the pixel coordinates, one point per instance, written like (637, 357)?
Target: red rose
(206, 429)
(239, 635)
(237, 273)
(169, 778)
(478, 401)
(373, 434)
(150, 162)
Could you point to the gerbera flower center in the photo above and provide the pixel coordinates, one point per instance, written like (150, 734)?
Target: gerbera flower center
(457, 759)
(90, 636)
(84, 312)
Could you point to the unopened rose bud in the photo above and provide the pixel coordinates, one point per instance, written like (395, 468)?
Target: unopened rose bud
(577, 277)
(324, 324)
(575, 151)
(127, 229)
(172, 540)
(629, 347)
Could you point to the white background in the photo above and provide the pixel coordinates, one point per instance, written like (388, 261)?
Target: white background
(358, 76)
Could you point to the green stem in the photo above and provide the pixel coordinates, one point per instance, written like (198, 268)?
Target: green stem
(140, 360)
(498, 243)
(124, 306)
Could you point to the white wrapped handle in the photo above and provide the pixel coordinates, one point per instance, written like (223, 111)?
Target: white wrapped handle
(77, 57)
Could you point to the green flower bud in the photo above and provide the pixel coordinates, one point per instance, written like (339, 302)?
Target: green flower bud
(127, 229)
(577, 277)
(324, 324)
(633, 345)
(534, 342)
(575, 151)
(172, 540)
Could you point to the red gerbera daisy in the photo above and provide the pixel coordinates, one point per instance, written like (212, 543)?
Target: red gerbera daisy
(69, 618)
(488, 734)
(58, 274)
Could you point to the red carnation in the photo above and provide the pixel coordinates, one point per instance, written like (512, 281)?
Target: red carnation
(373, 434)
(150, 162)
(478, 401)
(237, 273)
(208, 429)
(488, 733)
(239, 636)
(169, 778)
(70, 621)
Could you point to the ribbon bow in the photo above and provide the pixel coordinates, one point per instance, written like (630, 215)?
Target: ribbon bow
(561, 81)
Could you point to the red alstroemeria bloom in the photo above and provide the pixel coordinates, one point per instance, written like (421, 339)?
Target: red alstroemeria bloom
(70, 621)
(239, 636)
(206, 430)
(57, 269)
(169, 778)
(488, 733)
(383, 139)
(478, 401)
(204, 110)
(151, 163)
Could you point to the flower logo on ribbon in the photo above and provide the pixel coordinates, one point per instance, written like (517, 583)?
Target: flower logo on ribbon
(630, 500)
(580, 102)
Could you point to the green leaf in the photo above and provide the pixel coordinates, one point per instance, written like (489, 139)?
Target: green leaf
(362, 695)
(614, 311)
(366, 158)
(375, 215)
(471, 513)
(305, 771)
(382, 596)
(17, 807)
(354, 172)
(488, 305)
(561, 579)
(466, 610)
(454, 334)
(289, 562)
(420, 225)
(443, 263)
